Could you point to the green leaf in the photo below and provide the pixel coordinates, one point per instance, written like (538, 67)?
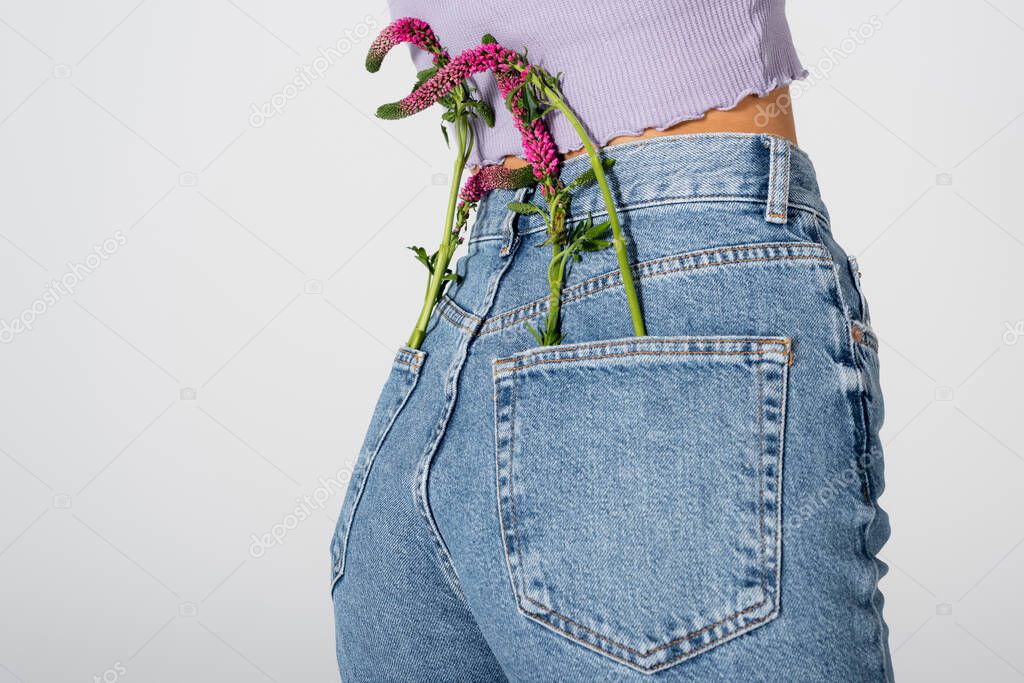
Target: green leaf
(444, 132)
(451, 277)
(486, 112)
(536, 335)
(594, 245)
(530, 102)
(421, 256)
(488, 39)
(511, 94)
(424, 76)
(549, 81)
(595, 231)
(525, 208)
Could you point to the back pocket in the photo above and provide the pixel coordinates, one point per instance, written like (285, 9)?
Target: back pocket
(399, 385)
(639, 488)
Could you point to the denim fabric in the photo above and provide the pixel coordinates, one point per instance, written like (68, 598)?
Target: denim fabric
(695, 505)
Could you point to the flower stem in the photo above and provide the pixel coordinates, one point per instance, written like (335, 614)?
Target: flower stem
(618, 242)
(449, 240)
(556, 280)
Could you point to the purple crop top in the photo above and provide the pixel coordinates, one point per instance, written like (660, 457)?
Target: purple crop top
(627, 66)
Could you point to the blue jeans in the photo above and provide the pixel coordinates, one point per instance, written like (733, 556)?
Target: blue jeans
(695, 505)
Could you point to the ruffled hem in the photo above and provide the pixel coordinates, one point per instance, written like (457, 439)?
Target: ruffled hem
(602, 140)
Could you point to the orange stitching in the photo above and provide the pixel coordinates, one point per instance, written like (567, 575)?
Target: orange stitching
(497, 488)
(772, 182)
(789, 152)
(445, 307)
(760, 477)
(512, 490)
(417, 357)
(647, 653)
(789, 168)
(662, 665)
(644, 353)
(656, 340)
(641, 276)
(736, 248)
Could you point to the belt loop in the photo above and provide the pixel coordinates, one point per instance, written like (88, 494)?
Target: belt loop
(508, 226)
(780, 152)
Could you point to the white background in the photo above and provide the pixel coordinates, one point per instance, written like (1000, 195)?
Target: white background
(222, 362)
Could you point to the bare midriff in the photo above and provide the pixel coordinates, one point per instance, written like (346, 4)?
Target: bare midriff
(771, 114)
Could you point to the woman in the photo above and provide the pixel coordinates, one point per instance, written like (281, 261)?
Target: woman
(695, 503)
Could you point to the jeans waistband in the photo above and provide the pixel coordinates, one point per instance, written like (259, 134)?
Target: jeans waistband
(678, 168)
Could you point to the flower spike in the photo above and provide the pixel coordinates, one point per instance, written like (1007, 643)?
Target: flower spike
(404, 30)
(538, 146)
(486, 57)
(495, 178)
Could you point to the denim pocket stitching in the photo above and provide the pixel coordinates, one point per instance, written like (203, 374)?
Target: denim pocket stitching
(643, 353)
(515, 565)
(560, 353)
(646, 653)
(456, 315)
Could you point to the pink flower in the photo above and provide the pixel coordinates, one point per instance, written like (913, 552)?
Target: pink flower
(538, 146)
(511, 71)
(485, 57)
(404, 30)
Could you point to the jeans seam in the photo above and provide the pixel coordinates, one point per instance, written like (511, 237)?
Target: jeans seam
(413, 379)
(869, 493)
(520, 313)
(844, 308)
(456, 315)
(421, 482)
(861, 415)
(760, 478)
